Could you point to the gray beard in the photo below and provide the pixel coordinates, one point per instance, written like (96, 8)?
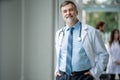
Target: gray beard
(70, 20)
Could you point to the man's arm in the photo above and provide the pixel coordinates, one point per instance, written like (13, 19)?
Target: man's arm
(57, 53)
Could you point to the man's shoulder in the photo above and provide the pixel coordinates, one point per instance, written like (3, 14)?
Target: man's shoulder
(89, 28)
(60, 29)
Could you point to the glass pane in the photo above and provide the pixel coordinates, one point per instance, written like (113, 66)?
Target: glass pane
(110, 19)
(99, 2)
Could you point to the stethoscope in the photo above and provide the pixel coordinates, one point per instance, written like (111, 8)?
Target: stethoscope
(79, 37)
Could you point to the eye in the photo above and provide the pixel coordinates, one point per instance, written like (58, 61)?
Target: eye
(64, 11)
(71, 9)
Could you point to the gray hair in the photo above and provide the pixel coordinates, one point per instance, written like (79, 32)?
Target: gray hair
(68, 2)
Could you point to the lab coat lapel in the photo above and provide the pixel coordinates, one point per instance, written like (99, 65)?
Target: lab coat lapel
(84, 32)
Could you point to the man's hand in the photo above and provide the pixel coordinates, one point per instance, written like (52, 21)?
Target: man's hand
(87, 73)
(58, 74)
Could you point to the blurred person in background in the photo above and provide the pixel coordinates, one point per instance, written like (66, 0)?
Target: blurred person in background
(113, 66)
(100, 26)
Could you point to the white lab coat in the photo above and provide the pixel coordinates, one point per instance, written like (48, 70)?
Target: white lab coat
(114, 54)
(94, 47)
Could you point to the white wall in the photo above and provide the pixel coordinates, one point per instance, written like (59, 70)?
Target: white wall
(26, 39)
(38, 39)
(10, 35)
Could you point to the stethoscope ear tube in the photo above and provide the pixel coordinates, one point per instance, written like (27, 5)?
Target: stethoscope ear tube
(79, 37)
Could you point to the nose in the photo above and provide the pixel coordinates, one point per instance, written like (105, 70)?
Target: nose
(68, 12)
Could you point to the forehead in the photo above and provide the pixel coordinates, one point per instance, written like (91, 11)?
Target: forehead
(68, 6)
(116, 31)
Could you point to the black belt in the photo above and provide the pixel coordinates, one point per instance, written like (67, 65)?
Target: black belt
(76, 72)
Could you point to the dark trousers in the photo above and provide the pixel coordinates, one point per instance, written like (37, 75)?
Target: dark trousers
(112, 76)
(75, 76)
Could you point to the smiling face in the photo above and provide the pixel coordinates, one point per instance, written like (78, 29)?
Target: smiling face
(69, 13)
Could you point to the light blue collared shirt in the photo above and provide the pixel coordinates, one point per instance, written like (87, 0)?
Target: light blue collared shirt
(80, 60)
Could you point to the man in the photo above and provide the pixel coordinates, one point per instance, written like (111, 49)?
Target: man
(77, 46)
(100, 26)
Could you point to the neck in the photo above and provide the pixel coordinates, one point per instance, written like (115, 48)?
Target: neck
(70, 24)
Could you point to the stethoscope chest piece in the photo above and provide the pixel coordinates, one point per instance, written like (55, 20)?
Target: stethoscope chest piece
(79, 39)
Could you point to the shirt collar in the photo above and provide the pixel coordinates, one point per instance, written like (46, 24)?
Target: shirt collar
(76, 26)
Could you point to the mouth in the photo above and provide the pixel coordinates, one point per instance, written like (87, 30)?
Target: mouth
(69, 16)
